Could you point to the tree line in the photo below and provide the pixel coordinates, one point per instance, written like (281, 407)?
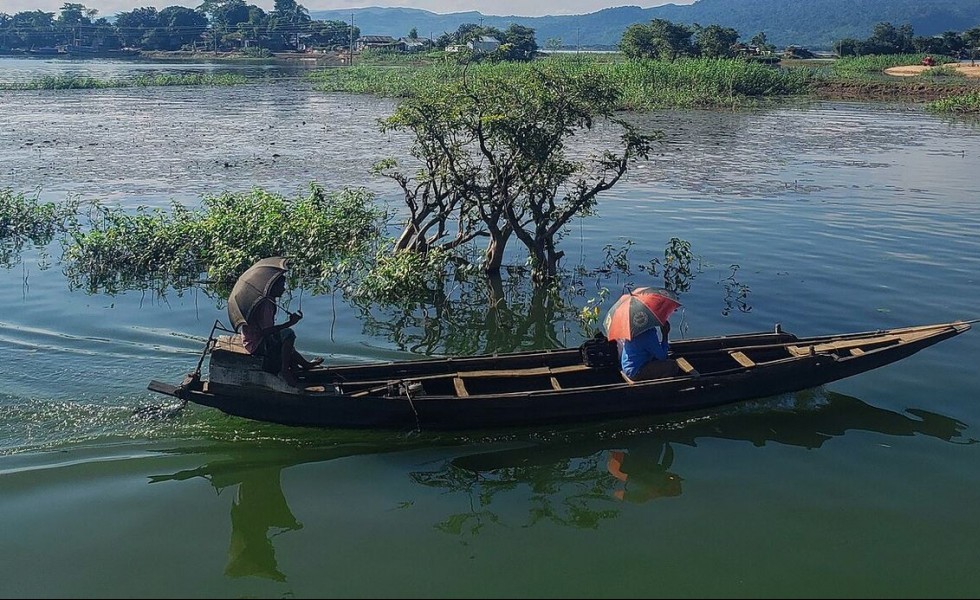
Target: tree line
(215, 24)
(888, 39)
(665, 40)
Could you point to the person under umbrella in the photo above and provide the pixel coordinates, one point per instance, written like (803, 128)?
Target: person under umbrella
(252, 308)
(633, 321)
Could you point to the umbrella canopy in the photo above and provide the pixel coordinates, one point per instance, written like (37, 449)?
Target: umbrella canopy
(638, 311)
(253, 287)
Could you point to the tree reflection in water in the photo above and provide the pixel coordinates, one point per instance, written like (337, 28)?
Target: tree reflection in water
(471, 314)
(577, 478)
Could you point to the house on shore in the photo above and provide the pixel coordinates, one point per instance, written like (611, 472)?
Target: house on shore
(377, 42)
(484, 43)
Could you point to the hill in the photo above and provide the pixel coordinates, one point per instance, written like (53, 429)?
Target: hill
(816, 24)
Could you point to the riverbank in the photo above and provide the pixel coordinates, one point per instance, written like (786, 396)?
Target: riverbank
(325, 59)
(893, 91)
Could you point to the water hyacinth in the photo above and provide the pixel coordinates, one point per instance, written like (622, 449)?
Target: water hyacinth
(960, 104)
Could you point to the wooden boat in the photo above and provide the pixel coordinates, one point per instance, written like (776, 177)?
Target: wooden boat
(539, 387)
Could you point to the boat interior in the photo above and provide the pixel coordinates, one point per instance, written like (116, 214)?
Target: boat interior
(563, 370)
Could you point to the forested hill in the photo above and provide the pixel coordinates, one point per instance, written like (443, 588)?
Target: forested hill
(816, 24)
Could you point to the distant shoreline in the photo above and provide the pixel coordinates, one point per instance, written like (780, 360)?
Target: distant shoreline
(277, 57)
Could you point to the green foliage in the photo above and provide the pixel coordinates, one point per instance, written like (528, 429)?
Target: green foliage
(642, 84)
(66, 82)
(942, 72)
(678, 267)
(221, 79)
(961, 104)
(715, 41)
(736, 293)
(26, 220)
(704, 82)
(861, 66)
(403, 278)
(157, 249)
(493, 144)
(658, 39)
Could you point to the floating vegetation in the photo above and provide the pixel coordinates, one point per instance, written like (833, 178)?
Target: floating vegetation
(72, 82)
(967, 104)
(324, 234)
(28, 221)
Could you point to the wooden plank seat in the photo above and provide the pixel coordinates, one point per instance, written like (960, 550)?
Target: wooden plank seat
(742, 359)
(686, 367)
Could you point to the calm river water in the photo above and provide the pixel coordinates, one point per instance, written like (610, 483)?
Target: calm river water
(839, 216)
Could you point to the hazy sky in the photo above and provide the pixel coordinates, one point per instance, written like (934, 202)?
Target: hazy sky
(525, 8)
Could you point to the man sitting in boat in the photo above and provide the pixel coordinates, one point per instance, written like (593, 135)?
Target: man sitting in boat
(645, 355)
(275, 343)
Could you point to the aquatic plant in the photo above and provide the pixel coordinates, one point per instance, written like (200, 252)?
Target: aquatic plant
(28, 221)
(156, 249)
(961, 104)
(70, 82)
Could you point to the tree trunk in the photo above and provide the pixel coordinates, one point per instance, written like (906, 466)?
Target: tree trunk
(494, 255)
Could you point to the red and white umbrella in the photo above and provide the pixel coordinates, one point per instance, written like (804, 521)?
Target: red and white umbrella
(638, 311)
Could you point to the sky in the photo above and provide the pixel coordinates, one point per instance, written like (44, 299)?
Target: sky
(524, 8)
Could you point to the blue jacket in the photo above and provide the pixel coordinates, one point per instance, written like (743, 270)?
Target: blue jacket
(636, 353)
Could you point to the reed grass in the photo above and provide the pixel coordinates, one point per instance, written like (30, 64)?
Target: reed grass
(642, 84)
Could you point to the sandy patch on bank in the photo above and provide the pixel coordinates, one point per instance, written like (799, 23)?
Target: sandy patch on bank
(909, 71)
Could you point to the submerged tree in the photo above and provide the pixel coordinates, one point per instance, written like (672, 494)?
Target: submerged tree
(495, 161)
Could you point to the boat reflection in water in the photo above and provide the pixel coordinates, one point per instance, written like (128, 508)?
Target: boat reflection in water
(576, 479)
(638, 466)
(644, 479)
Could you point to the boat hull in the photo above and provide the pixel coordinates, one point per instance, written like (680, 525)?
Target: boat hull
(540, 388)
